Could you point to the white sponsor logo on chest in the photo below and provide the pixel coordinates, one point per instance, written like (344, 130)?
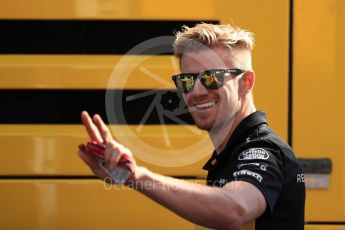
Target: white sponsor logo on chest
(253, 153)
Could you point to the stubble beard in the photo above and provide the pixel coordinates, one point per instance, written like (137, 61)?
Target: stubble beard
(220, 123)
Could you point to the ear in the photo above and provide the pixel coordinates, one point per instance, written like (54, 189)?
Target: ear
(247, 81)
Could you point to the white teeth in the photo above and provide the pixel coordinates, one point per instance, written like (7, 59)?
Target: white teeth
(205, 105)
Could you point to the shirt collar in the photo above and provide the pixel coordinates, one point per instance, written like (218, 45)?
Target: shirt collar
(253, 120)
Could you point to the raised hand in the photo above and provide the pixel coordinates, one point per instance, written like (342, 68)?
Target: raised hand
(115, 154)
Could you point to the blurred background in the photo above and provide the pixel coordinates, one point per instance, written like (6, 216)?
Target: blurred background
(58, 58)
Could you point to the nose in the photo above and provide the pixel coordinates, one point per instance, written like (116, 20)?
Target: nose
(199, 88)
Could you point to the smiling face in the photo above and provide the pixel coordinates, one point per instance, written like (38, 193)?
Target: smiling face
(212, 109)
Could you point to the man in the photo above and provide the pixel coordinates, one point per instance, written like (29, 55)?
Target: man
(253, 174)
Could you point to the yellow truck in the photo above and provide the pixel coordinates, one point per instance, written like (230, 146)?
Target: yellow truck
(58, 58)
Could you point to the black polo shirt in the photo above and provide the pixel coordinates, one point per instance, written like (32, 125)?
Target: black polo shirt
(254, 153)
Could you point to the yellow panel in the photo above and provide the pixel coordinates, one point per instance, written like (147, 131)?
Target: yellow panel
(86, 204)
(82, 71)
(323, 227)
(269, 20)
(271, 28)
(106, 9)
(21, 71)
(270, 54)
(80, 204)
(319, 99)
(51, 149)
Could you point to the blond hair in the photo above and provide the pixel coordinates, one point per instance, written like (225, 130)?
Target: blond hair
(208, 35)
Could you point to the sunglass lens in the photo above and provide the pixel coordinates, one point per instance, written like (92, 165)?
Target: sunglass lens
(212, 80)
(186, 83)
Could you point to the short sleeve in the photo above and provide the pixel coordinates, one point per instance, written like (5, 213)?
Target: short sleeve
(262, 168)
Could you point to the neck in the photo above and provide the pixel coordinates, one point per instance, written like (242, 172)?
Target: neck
(221, 135)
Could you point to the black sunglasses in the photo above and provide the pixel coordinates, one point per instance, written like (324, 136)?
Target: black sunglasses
(211, 79)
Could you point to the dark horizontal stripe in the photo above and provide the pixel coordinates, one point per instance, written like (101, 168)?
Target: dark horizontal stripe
(325, 223)
(316, 165)
(85, 36)
(64, 106)
(71, 177)
(45, 177)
